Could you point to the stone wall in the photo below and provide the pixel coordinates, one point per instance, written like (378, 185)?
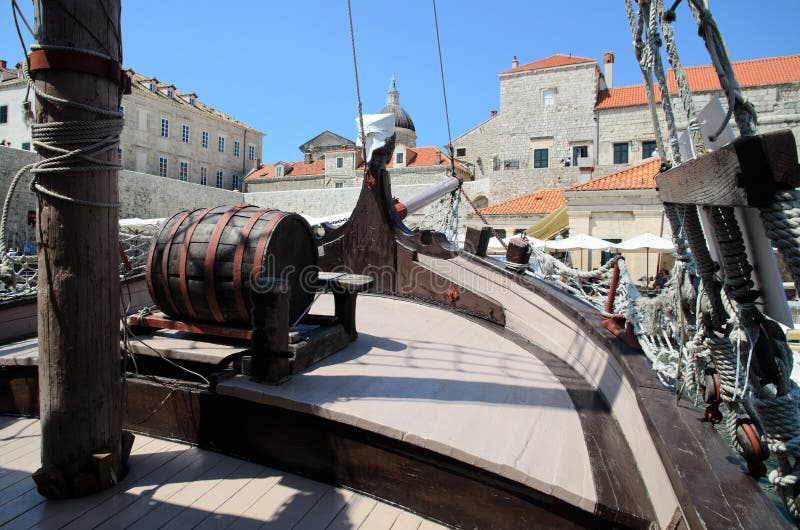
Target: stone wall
(147, 196)
(18, 229)
(142, 195)
(502, 148)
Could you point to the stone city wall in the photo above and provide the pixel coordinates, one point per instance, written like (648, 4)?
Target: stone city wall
(142, 195)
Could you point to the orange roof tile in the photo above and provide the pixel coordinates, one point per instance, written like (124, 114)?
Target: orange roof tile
(415, 157)
(293, 169)
(423, 156)
(551, 62)
(755, 72)
(639, 177)
(543, 201)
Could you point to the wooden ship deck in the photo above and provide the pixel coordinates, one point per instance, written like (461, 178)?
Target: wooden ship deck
(439, 381)
(174, 485)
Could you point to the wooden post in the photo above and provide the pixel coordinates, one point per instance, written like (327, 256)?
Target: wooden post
(79, 293)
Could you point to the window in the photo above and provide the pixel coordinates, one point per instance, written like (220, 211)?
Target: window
(170, 93)
(185, 134)
(339, 185)
(339, 162)
(649, 148)
(461, 151)
(204, 139)
(398, 159)
(165, 127)
(579, 151)
(621, 153)
(511, 164)
(204, 176)
(221, 144)
(4, 114)
(121, 109)
(540, 157)
(236, 147)
(184, 171)
(549, 97)
(251, 152)
(496, 164)
(162, 167)
(236, 182)
(219, 179)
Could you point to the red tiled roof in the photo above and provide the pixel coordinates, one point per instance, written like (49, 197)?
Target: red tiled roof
(543, 201)
(551, 62)
(755, 72)
(293, 169)
(415, 157)
(422, 157)
(639, 177)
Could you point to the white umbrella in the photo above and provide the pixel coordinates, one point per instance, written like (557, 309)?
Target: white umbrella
(645, 243)
(579, 242)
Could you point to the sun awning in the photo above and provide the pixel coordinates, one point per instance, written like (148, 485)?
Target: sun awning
(549, 226)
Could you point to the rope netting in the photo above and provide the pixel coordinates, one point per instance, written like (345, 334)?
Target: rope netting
(134, 242)
(705, 332)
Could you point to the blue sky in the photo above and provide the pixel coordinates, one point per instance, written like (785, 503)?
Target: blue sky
(285, 67)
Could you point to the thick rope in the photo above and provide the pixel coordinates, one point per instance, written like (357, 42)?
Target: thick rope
(362, 133)
(782, 223)
(641, 51)
(667, 17)
(653, 15)
(742, 108)
(79, 146)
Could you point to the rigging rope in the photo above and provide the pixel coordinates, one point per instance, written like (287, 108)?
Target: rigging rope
(362, 132)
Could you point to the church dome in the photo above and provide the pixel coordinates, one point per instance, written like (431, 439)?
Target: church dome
(404, 126)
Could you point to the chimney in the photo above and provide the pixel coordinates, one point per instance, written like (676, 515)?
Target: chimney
(438, 157)
(307, 158)
(514, 62)
(493, 113)
(3, 63)
(608, 67)
(257, 163)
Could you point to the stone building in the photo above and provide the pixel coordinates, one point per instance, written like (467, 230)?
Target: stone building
(332, 161)
(562, 122)
(517, 215)
(167, 132)
(619, 206)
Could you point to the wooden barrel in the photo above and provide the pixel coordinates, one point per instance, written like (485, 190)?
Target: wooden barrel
(200, 263)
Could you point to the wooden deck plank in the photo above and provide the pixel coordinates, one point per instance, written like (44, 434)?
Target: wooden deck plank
(21, 353)
(326, 510)
(163, 493)
(354, 513)
(20, 487)
(13, 514)
(59, 513)
(283, 505)
(207, 503)
(382, 517)
(16, 428)
(22, 467)
(407, 521)
(13, 452)
(171, 465)
(165, 512)
(440, 382)
(233, 508)
(174, 486)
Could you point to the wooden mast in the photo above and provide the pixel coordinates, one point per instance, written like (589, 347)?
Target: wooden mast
(79, 293)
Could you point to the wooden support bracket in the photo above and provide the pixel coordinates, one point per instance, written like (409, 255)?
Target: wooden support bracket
(746, 172)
